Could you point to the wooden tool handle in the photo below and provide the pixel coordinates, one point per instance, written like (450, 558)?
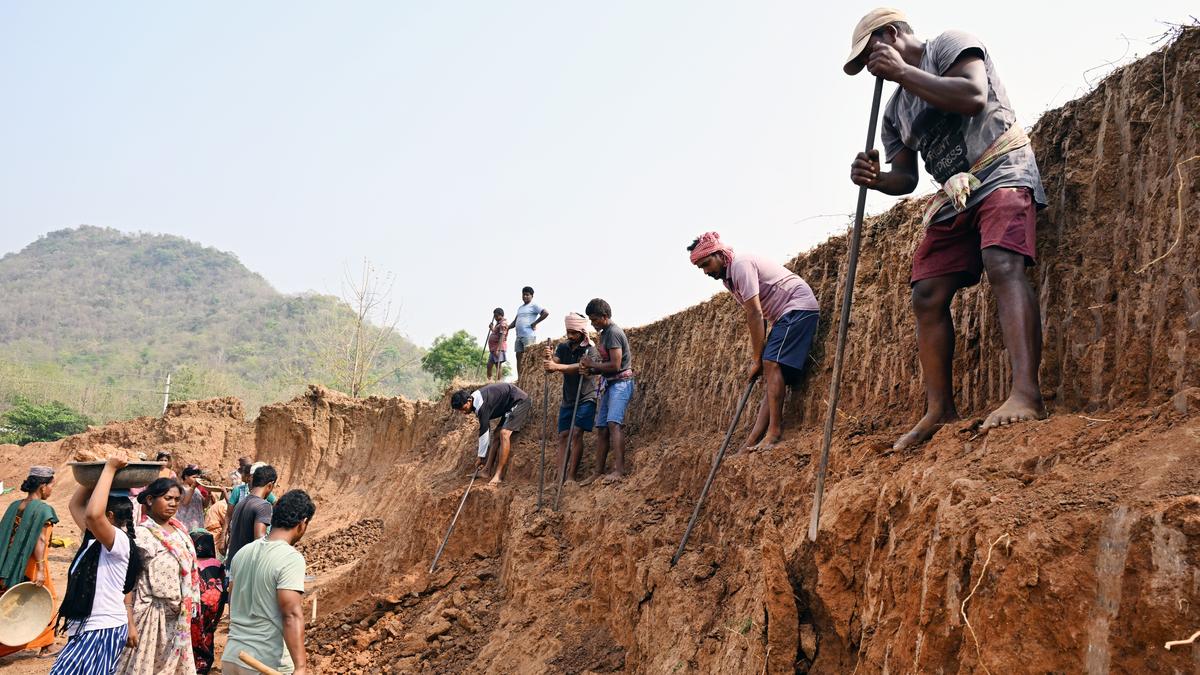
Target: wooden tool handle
(256, 664)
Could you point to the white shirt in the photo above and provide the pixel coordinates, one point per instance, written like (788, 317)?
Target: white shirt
(108, 607)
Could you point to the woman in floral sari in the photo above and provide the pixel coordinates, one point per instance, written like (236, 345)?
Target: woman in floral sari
(167, 594)
(25, 532)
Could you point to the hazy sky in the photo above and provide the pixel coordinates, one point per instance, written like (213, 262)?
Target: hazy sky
(475, 147)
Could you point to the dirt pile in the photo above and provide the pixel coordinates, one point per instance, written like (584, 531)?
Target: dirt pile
(343, 546)
(1066, 545)
(212, 433)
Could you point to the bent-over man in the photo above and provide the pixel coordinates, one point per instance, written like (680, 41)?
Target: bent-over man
(768, 293)
(494, 401)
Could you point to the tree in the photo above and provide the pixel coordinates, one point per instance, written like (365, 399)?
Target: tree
(352, 346)
(27, 422)
(452, 356)
(192, 382)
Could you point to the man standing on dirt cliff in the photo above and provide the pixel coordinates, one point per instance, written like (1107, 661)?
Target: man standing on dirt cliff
(952, 109)
(614, 364)
(494, 401)
(565, 359)
(528, 316)
(767, 292)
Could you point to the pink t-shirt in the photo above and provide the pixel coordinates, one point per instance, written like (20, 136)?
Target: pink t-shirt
(778, 290)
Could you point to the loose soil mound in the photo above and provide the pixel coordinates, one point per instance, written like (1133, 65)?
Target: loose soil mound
(343, 546)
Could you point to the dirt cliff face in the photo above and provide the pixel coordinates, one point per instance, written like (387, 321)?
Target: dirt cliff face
(1082, 522)
(1066, 545)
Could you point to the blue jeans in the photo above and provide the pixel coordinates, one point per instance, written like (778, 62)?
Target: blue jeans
(613, 401)
(583, 418)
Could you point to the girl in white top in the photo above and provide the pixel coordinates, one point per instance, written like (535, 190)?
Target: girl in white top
(93, 612)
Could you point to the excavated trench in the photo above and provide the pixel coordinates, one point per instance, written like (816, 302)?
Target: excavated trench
(1066, 545)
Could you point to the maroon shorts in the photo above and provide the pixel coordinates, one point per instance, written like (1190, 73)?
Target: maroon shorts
(1006, 218)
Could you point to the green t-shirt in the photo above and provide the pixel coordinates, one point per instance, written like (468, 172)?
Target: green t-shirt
(258, 570)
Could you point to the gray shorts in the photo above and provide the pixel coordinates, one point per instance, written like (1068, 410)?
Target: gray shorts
(522, 343)
(518, 416)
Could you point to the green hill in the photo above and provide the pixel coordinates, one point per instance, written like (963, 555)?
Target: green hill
(96, 318)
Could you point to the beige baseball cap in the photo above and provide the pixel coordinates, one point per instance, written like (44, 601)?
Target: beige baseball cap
(873, 21)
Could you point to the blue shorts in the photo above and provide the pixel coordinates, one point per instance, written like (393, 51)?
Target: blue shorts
(789, 342)
(584, 417)
(613, 401)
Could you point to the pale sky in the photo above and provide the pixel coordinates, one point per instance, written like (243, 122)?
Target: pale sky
(475, 147)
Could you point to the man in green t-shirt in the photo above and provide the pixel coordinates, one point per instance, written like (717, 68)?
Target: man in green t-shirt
(266, 618)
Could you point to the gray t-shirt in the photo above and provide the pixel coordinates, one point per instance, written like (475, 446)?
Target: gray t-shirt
(612, 337)
(568, 354)
(949, 143)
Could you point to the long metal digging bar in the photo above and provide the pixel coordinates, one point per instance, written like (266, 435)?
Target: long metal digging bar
(712, 473)
(454, 520)
(835, 385)
(545, 430)
(562, 470)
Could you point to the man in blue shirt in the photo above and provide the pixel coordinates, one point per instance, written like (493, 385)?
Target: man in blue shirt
(528, 316)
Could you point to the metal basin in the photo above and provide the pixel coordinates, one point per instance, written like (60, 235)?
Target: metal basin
(25, 611)
(134, 475)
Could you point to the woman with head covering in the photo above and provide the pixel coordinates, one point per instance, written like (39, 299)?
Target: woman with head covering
(166, 471)
(104, 570)
(193, 499)
(213, 597)
(167, 594)
(25, 534)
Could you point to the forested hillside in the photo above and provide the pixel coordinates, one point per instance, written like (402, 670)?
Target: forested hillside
(97, 318)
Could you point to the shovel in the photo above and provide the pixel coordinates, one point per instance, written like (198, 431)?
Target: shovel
(454, 520)
(545, 430)
(562, 470)
(835, 384)
(712, 473)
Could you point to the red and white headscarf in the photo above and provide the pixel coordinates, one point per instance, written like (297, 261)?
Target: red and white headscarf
(577, 322)
(708, 244)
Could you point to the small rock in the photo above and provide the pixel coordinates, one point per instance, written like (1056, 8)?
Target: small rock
(362, 660)
(436, 629)
(363, 639)
(467, 623)
(808, 640)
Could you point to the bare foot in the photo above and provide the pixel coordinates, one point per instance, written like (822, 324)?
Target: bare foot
(769, 442)
(610, 478)
(495, 482)
(588, 481)
(924, 430)
(1015, 409)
